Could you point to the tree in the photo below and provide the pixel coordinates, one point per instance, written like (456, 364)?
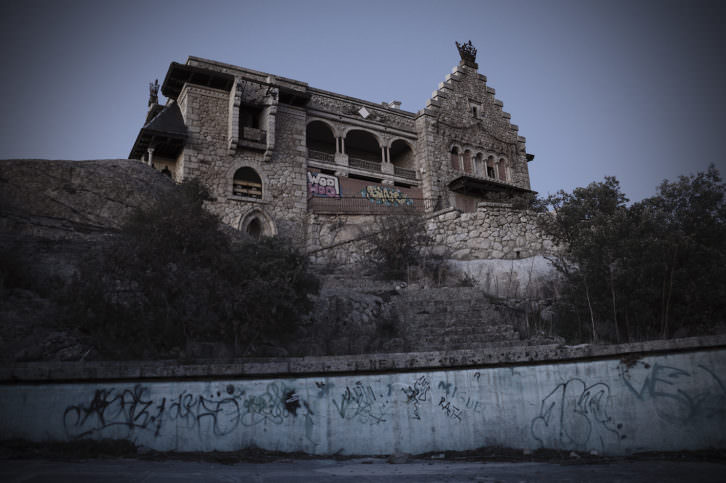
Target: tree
(648, 270)
(173, 276)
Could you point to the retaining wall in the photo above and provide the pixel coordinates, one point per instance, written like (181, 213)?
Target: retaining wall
(658, 396)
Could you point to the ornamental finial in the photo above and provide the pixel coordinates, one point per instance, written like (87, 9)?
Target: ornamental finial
(468, 54)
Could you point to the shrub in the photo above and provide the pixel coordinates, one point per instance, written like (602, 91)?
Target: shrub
(172, 277)
(400, 244)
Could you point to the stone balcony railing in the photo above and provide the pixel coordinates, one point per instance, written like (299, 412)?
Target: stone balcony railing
(321, 156)
(364, 164)
(404, 173)
(254, 135)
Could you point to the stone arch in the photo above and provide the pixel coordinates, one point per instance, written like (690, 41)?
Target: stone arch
(503, 168)
(320, 136)
(490, 169)
(230, 176)
(363, 144)
(467, 160)
(479, 167)
(401, 154)
(349, 129)
(455, 152)
(257, 223)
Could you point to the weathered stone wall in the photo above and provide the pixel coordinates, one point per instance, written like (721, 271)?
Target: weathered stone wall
(494, 231)
(449, 120)
(207, 155)
(624, 403)
(462, 113)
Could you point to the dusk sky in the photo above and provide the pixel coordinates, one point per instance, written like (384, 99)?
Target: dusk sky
(632, 89)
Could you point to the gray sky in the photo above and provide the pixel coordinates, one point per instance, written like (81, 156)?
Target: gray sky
(633, 89)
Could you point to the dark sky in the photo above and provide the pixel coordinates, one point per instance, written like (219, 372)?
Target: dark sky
(633, 89)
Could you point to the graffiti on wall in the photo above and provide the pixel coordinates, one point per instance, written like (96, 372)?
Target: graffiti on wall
(221, 412)
(677, 396)
(417, 394)
(382, 195)
(323, 185)
(575, 416)
(360, 403)
(456, 395)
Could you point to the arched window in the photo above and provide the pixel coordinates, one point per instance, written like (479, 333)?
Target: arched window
(479, 165)
(247, 183)
(490, 167)
(467, 161)
(501, 169)
(455, 158)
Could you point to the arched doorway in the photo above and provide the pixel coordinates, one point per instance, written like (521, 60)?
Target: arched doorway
(257, 224)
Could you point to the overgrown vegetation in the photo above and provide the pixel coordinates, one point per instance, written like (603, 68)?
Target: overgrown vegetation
(653, 269)
(402, 247)
(174, 278)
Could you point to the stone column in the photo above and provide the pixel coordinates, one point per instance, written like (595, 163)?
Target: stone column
(151, 156)
(340, 156)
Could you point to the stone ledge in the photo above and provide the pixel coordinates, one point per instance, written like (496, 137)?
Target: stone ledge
(306, 366)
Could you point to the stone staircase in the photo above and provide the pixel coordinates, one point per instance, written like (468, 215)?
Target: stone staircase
(454, 318)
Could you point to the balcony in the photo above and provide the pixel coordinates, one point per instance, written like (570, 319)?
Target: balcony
(404, 173)
(364, 164)
(321, 156)
(252, 138)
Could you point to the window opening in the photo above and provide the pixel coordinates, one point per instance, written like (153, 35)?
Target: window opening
(249, 116)
(247, 183)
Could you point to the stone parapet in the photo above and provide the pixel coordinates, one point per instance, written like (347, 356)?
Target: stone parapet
(328, 365)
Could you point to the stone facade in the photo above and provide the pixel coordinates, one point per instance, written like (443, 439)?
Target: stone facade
(283, 158)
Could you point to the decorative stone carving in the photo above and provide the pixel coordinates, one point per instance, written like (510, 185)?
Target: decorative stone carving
(468, 54)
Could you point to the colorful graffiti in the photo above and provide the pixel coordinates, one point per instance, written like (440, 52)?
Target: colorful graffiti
(383, 195)
(323, 185)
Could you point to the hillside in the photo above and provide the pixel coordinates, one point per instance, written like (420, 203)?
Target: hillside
(52, 213)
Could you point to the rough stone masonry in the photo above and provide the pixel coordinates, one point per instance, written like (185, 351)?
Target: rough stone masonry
(283, 158)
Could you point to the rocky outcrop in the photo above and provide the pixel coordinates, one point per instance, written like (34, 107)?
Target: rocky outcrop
(73, 199)
(52, 213)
